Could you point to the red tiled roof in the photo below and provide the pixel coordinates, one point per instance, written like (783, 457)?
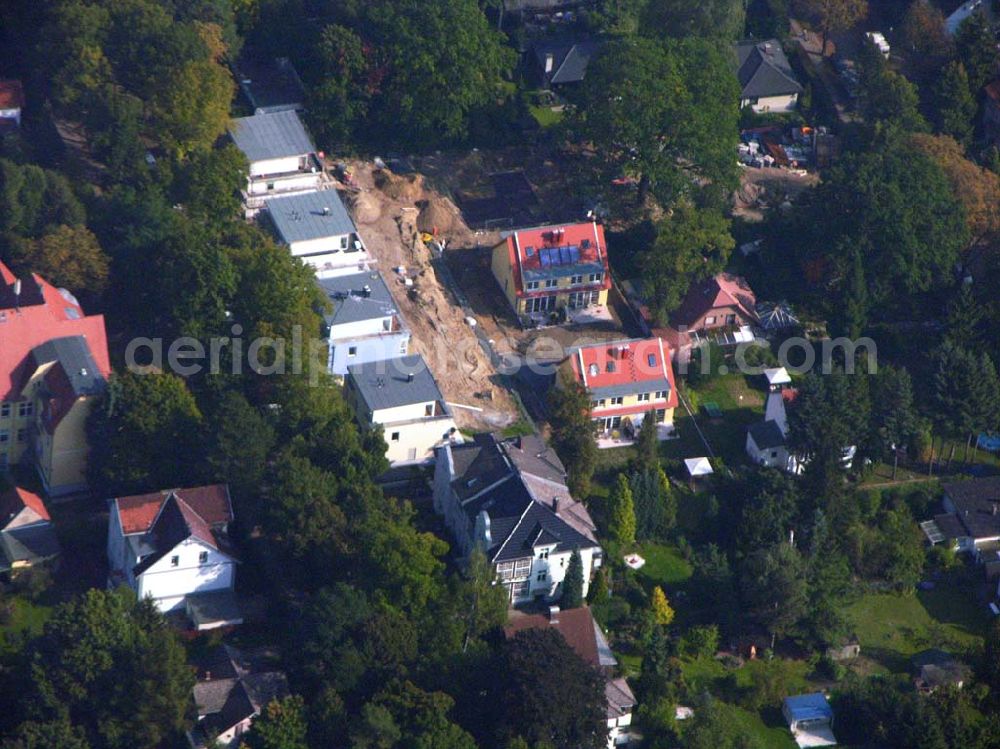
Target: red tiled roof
(633, 363)
(719, 292)
(11, 94)
(41, 313)
(210, 503)
(16, 499)
(586, 240)
(575, 625)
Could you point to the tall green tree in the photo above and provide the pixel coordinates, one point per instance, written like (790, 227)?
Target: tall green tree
(146, 434)
(714, 19)
(444, 62)
(113, 667)
(774, 589)
(977, 50)
(647, 442)
(280, 725)
(621, 526)
(894, 416)
(544, 692)
(834, 16)
(573, 434)
(896, 203)
(691, 245)
(856, 301)
(484, 602)
(954, 104)
(665, 114)
(572, 587)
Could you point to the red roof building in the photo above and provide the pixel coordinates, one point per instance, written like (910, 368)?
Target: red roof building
(173, 546)
(626, 380)
(53, 363)
(544, 269)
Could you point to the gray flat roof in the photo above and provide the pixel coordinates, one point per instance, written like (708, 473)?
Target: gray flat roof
(390, 383)
(357, 297)
(271, 136)
(312, 215)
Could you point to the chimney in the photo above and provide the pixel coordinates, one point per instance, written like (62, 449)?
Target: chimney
(996, 508)
(553, 614)
(555, 505)
(366, 291)
(326, 210)
(409, 376)
(549, 62)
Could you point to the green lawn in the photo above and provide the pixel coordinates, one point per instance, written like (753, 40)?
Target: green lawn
(545, 116)
(664, 565)
(769, 735)
(892, 628)
(767, 726)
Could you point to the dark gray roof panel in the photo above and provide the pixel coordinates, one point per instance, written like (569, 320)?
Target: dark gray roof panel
(767, 435)
(74, 355)
(356, 297)
(271, 136)
(977, 504)
(312, 215)
(763, 70)
(391, 383)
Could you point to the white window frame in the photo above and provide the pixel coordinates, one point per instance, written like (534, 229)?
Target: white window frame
(643, 397)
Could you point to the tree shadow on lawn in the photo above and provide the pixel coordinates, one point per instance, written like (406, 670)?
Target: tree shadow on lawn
(956, 608)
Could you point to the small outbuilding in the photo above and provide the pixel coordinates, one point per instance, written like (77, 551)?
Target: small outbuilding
(810, 719)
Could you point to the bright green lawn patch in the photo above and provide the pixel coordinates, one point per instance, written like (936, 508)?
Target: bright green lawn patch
(630, 663)
(664, 565)
(773, 736)
(546, 116)
(701, 674)
(892, 627)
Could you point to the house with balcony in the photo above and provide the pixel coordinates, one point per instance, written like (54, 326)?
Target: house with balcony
(319, 231)
(281, 158)
(971, 518)
(364, 322)
(584, 635)
(401, 396)
(173, 547)
(627, 380)
(53, 366)
(509, 499)
(550, 271)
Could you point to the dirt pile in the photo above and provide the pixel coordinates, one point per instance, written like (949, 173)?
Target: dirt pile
(436, 216)
(407, 188)
(365, 208)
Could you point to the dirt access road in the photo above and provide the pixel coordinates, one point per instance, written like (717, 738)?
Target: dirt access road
(391, 211)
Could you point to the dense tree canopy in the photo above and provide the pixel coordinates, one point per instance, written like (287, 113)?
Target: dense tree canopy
(111, 667)
(665, 114)
(544, 691)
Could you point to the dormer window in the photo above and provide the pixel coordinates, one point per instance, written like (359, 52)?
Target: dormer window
(652, 360)
(611, 366)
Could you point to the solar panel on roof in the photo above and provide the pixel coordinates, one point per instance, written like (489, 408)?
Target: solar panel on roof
(574, 254)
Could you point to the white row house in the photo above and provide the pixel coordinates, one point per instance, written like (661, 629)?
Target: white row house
(281, 155)
(364, 324)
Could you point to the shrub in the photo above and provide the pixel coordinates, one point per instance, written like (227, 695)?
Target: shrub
(700, 642)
